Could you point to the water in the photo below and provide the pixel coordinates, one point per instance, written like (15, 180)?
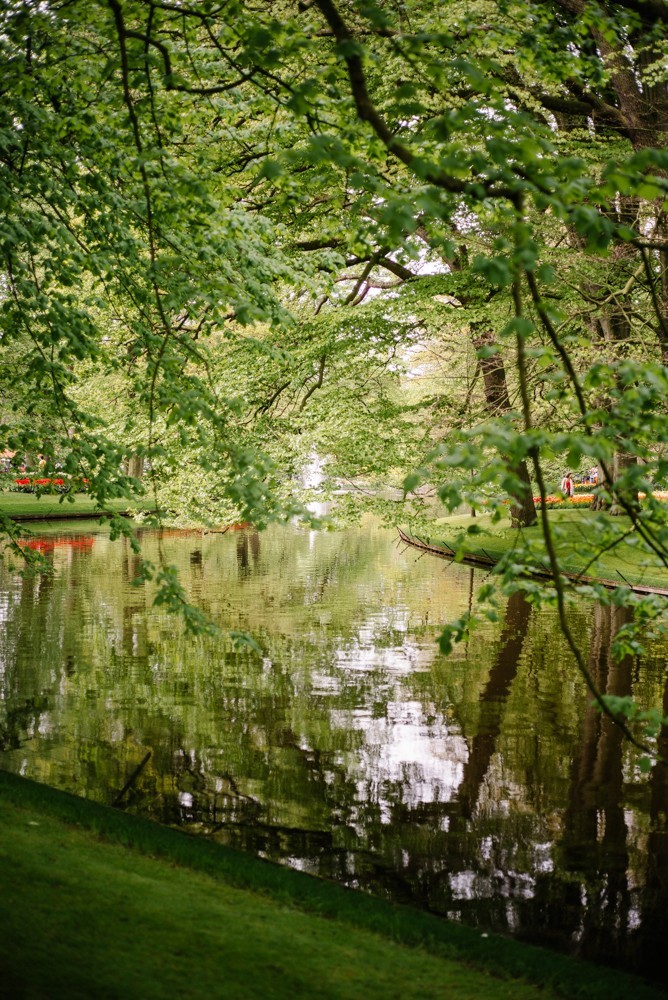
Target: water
(481, 786)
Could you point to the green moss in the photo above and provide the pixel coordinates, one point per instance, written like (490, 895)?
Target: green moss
(97, 903)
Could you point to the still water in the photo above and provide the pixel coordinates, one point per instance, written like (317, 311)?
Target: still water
(481, 786)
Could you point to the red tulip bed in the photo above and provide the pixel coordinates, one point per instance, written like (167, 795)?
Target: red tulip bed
(28, 484)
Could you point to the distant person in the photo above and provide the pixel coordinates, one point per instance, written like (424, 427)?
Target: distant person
(567, 485)
(593, 475)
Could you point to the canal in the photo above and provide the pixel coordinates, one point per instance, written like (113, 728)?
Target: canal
(481, 786)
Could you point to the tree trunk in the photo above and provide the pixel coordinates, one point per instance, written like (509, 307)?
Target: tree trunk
(615, 325)
(636, 107)
(629, 495)
(497, 400)
(136, 466)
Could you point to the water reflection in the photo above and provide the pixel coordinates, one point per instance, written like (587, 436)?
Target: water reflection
(492, 701)
(482, 785)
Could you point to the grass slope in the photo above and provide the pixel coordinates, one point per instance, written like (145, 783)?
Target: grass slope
(577, 534)
(99, 904)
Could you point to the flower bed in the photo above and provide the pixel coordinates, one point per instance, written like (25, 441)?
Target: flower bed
(28, 484)
(557, 502)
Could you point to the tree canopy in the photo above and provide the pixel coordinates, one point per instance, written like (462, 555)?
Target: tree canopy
(425, 244)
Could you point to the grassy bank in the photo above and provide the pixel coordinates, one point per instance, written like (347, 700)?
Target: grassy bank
(579, 536)
(30, 507)
(99, 904)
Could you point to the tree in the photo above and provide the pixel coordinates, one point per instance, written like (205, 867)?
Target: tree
(210, 201)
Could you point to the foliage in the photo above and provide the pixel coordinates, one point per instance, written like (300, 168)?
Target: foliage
(233, 236)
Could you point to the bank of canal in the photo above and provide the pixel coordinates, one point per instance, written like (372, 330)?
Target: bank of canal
(97, 903)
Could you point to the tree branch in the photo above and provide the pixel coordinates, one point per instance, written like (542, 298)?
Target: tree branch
(368, 112)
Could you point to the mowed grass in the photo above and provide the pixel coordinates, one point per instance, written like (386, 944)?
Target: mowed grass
(42, 508)
(579, 536)
(85, 918)
(98, 904)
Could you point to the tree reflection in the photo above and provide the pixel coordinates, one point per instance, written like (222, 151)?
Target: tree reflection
(588, 899)
(492, 702)
(648, 941)
(133, 603)
(248, 543)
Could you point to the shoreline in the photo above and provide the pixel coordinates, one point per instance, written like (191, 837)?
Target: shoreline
(481, 559)
(88, 842)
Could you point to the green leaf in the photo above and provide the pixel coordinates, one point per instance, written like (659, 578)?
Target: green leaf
(411, 482)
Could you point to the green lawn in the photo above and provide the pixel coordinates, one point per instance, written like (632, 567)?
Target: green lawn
(28, 506)
(579, 535)
(98, 904)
